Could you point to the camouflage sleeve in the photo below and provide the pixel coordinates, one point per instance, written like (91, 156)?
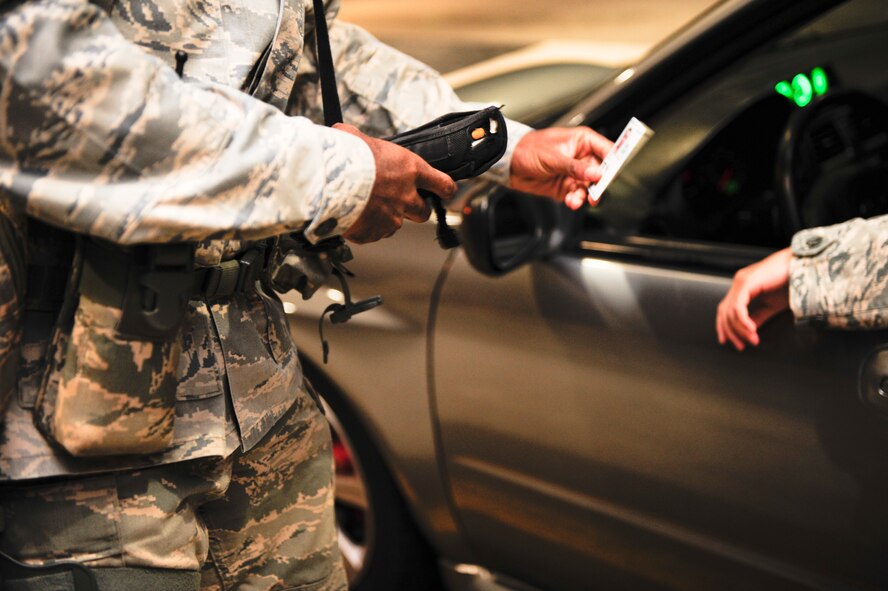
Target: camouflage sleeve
(384, 91)
(839, 275)
(102, 138)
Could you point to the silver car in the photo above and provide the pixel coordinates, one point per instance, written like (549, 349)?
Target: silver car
(547, 407)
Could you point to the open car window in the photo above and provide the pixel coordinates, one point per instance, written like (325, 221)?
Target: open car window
(715, 174)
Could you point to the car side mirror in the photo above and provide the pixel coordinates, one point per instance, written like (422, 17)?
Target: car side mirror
(502, 229)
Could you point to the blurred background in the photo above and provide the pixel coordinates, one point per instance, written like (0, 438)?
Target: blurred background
(452, 34)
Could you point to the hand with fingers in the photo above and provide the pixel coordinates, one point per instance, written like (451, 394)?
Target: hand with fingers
(559, 162)
(759, 292)
(400, 174)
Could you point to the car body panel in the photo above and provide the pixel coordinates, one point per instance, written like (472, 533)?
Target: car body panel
(608, 434)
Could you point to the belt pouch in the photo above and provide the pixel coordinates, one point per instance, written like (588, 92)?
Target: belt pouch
(116, 386)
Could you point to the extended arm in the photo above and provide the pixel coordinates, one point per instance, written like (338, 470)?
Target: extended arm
(833, 276)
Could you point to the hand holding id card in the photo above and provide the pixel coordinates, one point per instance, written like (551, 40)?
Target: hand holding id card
(633, 137)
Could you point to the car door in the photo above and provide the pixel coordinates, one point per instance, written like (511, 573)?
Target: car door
(594, 433)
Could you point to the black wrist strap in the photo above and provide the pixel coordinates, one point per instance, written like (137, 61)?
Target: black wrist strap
(332, 108)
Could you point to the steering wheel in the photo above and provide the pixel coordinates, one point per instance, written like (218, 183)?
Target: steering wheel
(832, 162)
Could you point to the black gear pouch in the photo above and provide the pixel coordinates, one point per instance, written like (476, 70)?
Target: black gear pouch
(461, 145)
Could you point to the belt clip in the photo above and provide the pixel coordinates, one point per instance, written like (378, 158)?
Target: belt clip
(236, 275)
(249, 266)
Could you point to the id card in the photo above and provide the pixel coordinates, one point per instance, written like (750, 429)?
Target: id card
(634, 136)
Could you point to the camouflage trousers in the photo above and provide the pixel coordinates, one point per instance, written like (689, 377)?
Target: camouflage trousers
(259, 520)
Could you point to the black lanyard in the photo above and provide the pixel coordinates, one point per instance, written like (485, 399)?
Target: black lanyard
(332, 108)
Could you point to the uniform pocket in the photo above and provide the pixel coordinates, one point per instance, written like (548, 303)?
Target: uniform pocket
(114, 396)
(199, 374)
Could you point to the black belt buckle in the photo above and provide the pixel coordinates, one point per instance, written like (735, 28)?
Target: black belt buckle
(234, 276)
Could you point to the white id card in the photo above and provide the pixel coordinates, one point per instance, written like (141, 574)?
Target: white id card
(633, 137)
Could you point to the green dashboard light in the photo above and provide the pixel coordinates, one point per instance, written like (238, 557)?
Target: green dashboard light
(819, 81)
(803, 88)
(784, 88)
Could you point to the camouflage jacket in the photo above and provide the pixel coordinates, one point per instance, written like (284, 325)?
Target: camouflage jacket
(100, 136)
(839, 275)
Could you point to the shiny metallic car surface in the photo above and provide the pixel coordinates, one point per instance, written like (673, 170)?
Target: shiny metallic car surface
(550, 402)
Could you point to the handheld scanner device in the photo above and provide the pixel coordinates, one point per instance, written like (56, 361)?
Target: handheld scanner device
(461, 145)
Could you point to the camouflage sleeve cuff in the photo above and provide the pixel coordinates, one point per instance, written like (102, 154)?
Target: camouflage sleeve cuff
(349, 173)
(839, 275)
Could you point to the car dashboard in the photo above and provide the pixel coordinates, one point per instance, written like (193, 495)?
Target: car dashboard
(726, 192)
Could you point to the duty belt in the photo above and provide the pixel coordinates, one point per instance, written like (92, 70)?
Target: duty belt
(109, 267)
(152, 284)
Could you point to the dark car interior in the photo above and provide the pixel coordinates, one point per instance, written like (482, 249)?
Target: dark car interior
(793, 135)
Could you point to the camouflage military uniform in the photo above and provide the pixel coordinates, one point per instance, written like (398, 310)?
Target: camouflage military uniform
(216, 523)
(839, 274)
(98, 135)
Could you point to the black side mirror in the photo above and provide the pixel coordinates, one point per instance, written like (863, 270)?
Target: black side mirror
(501, 229)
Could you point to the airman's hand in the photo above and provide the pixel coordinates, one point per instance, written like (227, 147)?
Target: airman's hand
(559, 162)
(399, 174)
(763, 286)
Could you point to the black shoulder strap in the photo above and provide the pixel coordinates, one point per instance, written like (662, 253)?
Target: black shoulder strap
(332, 108)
